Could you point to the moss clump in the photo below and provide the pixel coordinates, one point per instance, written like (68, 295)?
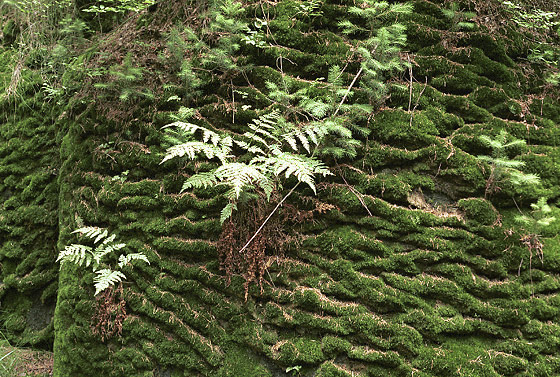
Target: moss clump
(479, 210)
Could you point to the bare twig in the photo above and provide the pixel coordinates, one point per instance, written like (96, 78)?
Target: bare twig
(269, 216)
(348, 91)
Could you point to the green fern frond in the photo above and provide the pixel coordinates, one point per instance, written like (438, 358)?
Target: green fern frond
(192, 148)
(303, 168)
(83, 255)
(335, 76)
(100, 252)
(302, 139)
(125, 259)
(77, 254)
(105, 278)
(92, 232)
(192, 128)
(502, 162)
(227, 211)
(200, 180)
(238, 175)
(316, 108)
(519, 178)
(541, 205)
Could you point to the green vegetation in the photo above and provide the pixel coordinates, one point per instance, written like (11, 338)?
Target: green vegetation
(21, 362)
(502, 168)
(347, 189)
(86, 256)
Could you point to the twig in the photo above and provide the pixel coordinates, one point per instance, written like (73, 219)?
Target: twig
(268, 217)
(417, 100)
(358, 195)
(6, 355)
(348, 90)
(233, 99)
(410, 82)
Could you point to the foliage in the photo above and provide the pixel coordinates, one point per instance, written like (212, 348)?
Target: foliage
(268, 143)
(126, 82)
(535, 20)
(382, 44)
(119, 6)
(87, 256)
(543, 30)
(321, 106)
(538, 219)
(503, 168)
(458, 18)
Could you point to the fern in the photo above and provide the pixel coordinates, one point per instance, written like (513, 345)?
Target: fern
(382, 44)
(301, 167)
(105, 278)
(86, 256)
(501, 166)
(539, 219)
(267, 140)
(126, 259)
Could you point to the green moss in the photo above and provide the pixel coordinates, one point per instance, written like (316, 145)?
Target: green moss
(479, 210)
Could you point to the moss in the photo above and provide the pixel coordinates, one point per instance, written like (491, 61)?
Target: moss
(479, 210)
(379, 285)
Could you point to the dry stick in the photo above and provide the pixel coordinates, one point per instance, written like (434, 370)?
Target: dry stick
(8, 354)
(268, 217)
(417, 101)
(357, 194)
(348, 90)
(409, 85)
(294, 188)
(233, 99)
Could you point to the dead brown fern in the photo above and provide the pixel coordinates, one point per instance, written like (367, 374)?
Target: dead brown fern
(109, 314)
(252, 261)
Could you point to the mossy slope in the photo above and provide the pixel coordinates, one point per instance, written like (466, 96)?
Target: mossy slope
(28, 209)
(410, 272)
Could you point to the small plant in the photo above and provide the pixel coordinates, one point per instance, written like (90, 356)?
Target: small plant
(119, 6)
(503, 168)
(534, 224)
(268, 143)
(95, 256)
(382, 45)
(127, 82)
(459, 20)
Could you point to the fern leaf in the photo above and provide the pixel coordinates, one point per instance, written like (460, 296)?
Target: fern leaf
(303, 168)
(303, 139)
(249, 148)
(256, 138)
(289, 138)
(126, 259)
(192, 128)
(91, 232)
(227, 211)
(519, 178)
(192, 148)
(335, 76)
(77, 254)
(105, 278)
(238, 175)
(200, 180)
